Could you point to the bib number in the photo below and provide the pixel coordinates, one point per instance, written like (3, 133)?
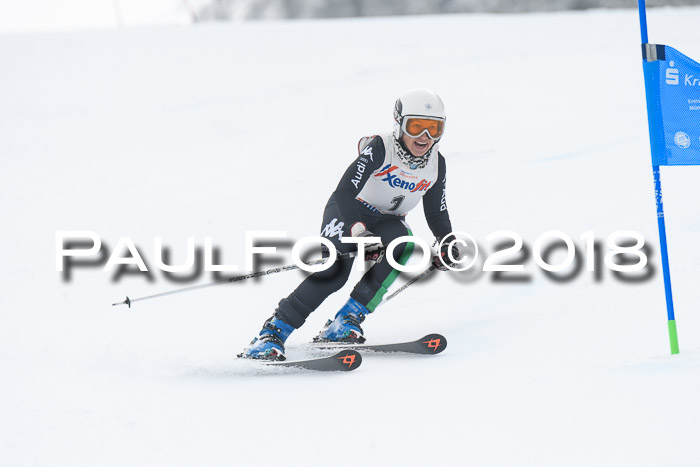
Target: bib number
(396, 202)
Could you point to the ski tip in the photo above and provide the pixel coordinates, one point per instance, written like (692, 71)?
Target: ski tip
(348, 360)
(433, 343)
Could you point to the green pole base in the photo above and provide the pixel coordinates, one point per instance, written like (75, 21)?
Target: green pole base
(673, 336)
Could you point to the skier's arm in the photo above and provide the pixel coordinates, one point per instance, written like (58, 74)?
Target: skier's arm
(434, 204)
(370, 158)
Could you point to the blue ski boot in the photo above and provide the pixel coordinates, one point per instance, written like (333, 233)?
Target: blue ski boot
(269, 345)
(346, 325)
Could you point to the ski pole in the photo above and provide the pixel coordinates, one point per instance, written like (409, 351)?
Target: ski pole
(369, 255)
(415, 279)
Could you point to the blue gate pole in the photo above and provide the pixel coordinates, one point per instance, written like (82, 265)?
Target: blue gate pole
(643, 20)
(672, 331)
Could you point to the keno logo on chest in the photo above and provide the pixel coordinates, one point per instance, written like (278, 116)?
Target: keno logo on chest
(396, 181)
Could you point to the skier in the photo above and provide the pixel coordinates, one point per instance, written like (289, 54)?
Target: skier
(391, 174)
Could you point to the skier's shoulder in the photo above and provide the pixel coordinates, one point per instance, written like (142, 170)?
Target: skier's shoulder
(375, 142)
(373, 147)
(441, 160)
(441, 169)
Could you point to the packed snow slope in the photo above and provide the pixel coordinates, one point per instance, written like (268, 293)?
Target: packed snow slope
(220, 129)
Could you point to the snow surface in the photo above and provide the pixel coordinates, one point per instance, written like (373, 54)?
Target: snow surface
(222, 128)
(64, 15)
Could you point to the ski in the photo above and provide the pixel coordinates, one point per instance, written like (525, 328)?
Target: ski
(428, 345)
(347, 360)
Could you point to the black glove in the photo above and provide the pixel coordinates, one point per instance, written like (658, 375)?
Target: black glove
(443, 260)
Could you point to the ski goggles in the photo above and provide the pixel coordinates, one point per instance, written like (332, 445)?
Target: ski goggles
(416, 126)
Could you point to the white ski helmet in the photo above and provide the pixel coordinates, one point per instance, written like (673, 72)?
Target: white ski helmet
(419, 103)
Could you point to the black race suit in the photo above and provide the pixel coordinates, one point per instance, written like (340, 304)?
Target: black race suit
(342, 211)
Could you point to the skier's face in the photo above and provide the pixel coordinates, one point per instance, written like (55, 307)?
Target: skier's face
(420, 146)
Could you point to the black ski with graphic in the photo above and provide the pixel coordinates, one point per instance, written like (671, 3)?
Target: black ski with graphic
(431, 344)
(347, 360)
